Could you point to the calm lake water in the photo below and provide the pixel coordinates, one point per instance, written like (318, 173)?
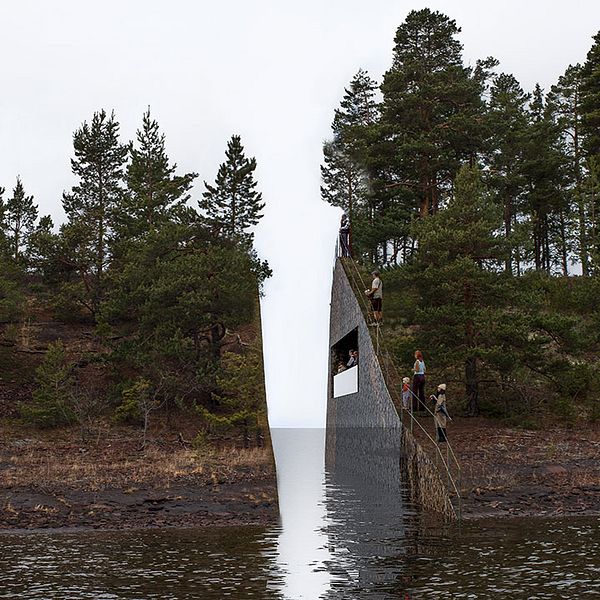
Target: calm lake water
(344, 534)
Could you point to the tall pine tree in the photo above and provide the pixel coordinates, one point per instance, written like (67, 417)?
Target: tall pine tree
(456, 274)
(432, 109)
(590, 99)
(156, 195)
(3, 241)
(233, 205)
(507, 123)
(564, 102)
(344, 174)
(94, 202)
(543, 169)
(20, 217)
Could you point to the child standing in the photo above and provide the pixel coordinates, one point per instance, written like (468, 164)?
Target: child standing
(406, 393)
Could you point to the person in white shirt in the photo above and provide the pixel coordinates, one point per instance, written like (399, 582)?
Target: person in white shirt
(376, 296)
(353, 361)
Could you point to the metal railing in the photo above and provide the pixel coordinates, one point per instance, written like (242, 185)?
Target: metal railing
(449, 462)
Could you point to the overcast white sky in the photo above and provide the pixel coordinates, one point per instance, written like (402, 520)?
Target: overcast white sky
(272, 71)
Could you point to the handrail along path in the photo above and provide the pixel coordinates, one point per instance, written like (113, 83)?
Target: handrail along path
(449, 462)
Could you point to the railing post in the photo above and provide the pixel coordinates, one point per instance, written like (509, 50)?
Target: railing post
(448, 462)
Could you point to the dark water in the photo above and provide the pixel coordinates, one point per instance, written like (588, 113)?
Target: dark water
(345, 534)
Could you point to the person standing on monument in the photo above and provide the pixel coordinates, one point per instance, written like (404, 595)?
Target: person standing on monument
(345, 236)
(440, 413)
(419, 379)
(376, 296)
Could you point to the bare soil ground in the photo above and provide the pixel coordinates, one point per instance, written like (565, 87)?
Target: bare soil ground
(52, 480)
(509, 472)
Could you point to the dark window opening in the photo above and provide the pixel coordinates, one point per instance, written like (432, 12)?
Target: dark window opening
(344, 354)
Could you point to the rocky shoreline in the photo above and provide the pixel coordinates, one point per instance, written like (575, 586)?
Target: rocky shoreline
(178, 506)
(512, 472)
(52, 483)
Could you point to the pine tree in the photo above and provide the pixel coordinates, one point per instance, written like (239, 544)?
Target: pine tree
(343, 182)
(432, 110)
(543, 169)
(233, 205)
(94, 202)
(591, 198)
(358, 110)
(456, 273)
(590, 99)
(51, 398)
(344, 174)
(156, 194)
(42, 249)
(564, 102)
(20, 217)
(507, 123)
(3, 240)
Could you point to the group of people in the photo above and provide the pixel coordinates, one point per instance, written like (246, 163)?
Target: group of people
(417, 391)
(352, 361)
(375, 293)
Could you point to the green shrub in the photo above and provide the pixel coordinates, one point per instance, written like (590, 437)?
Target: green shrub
(51, 398)
(134, 397)
(11, 300)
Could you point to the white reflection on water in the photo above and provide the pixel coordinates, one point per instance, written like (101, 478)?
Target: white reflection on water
(302, 545)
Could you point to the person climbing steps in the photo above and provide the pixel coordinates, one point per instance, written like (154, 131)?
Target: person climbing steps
(376, 296)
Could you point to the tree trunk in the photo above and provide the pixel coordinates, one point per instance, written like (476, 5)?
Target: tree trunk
(350, 211)
(472, 386)
(508, 216)
(537, 242)
(583, 242)
(100, 257)
(217, 333)
(563, 244)
(583, 245)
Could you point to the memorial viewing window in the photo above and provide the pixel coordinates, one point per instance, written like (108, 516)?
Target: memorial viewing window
(344, 365)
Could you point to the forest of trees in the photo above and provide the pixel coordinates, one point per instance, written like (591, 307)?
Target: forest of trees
(160, 280)
(481, 201)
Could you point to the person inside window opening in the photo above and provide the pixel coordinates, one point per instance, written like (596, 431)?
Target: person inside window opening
(440, 412)
(353, 358)
(345, 236)
(419, 380)
(376, 296)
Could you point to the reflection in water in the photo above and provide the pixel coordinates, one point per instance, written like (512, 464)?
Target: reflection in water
(366, 513)
(347, 534)
(302, 545)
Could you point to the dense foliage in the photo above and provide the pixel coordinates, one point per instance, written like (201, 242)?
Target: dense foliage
(163, 286)
(480, 201)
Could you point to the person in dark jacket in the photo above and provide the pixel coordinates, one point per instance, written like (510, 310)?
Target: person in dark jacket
(345, 236)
